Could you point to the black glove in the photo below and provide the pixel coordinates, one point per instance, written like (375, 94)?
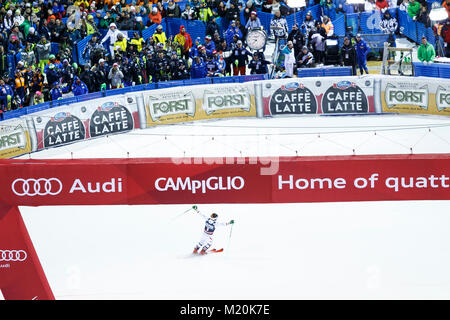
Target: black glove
(194, 207)
(231, 222)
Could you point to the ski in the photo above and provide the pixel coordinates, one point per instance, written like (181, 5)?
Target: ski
(215, 250)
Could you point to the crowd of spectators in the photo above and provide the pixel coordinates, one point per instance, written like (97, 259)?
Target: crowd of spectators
(115, 59)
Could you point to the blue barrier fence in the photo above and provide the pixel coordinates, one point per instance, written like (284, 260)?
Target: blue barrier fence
(435, 70)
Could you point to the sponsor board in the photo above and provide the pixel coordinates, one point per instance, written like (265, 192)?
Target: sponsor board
(293, 98)
(110, 118)
(344, 97)
(199, 103)
(160, 180)
(14, 139)
(311, 96)
(85, 120)
(416, 96)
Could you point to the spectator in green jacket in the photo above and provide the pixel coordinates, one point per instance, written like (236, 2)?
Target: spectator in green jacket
(413, 8)
(425, 52)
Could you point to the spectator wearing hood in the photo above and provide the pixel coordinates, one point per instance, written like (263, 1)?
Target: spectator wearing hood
(183, 39)
(381, 4)
(112, 36)
(79, 87)
(154, 16)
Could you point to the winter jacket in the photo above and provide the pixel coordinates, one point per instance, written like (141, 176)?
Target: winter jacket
(426, 53)
(198, 70)
(115, 77)
(362, 49)
(413, 9)
(43, 50)
(79, 89)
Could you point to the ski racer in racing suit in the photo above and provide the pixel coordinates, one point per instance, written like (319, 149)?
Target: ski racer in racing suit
(210, 226)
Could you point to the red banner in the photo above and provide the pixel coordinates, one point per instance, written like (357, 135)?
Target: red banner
(21, 274)
(224, 180)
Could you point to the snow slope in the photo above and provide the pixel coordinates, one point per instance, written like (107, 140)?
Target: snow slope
(362, 250)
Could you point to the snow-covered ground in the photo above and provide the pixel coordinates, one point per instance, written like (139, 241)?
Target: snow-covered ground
(358, 250)
(289, 136)
(362, 250)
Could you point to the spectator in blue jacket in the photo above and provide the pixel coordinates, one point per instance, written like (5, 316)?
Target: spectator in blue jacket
(209, 45)
(6, 95)
(79, 87)
(15, 46)
(231, 31)
(362, 49)
(198, 69)
(56, 92)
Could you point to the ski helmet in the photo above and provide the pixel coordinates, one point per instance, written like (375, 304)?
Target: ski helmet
(214, 216)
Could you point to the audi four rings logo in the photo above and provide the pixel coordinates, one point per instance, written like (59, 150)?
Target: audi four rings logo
(13, 255)
(37, 187)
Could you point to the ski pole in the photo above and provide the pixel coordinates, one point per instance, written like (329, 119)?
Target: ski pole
(179, 215)
(229, 238)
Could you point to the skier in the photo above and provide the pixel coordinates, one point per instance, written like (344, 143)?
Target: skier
(210, 226)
